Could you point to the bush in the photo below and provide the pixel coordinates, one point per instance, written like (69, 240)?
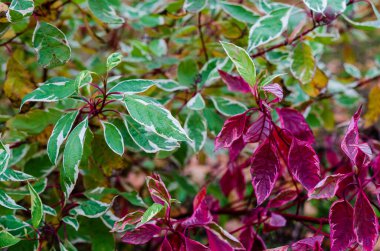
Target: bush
(189, 125)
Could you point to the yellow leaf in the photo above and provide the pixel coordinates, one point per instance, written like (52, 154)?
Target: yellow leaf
(318, 83)
(373, 110)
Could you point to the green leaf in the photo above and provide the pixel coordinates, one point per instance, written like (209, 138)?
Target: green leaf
(303, 64)
(352, 70)
(5, 155)
(114, 60)
(19, 9)
(316, 5)
(242, 61)
(12, 223)
(7, 240)
(71, 221)
(240, 12)
(36, 207)
(49, 210)
(151, 212)
(196, 127)
(194, 5)
(187, 72)
(113, 137)
(14, 175)
(59, 134)
(91, 209)
(196, 102)
(52, 90)
(336, 7)
(228, 107)
(153, 115)
(83, 78)
(148, 140)
(132, 86)
(103, 10)
(72, 156)
(8, 202)
(51, 45)
(268, 28)
(169, 85)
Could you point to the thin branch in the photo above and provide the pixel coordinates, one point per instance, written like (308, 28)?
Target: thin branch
(201, 36)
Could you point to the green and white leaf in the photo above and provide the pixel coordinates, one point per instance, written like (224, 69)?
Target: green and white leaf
(103, 10)
(7, 240)
(269, 79)
(196, 102)
(152, 211)
(157, 118)
(196, 128)
(8, 202)
(83, 79)
(240, 12)
(49, 210)
(91, 208)
(113, 137)
(12, 223)
(352, 70)
(148, 140)
(72, 156)
(39, 186)
(36, 207)
(60, 132)
(242, 61)
(132, 86)
(194, 6)
(19, 9)
(316, 5)
(336, 6)
(14, 175)
(302, 63)
(366, 25)
(5, 155)
(51, 45)
(268, 28)
(169, 85)
(228, 107)
(114, 60)
(52, 90)
(71, 221)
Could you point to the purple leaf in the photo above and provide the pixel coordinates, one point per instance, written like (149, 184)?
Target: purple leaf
(232, 130)
(220, 240)
(233, 179)
(313, 243)
(201, 216)
(274, 89)
(303, 163)
(234, 83)
(264, 170)
(235, 149)
(129, 219)
(201, 195)
(165, 245)
(258, 130)
(158, 191)
(282, 198)
(326, 188)
(192, 245)
(141, 235)
(294, 122)
(341, 225)
(365, 222)
(251, 240)
(276, 220)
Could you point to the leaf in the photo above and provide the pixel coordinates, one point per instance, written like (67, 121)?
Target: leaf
(302, 63)
(154, 209)
(51, 45)
(259, 130)
(169, 85)
(264, 170)
(60, 133)
(294, 122)
(352, 70)
(373, 111)
(240, 12)
(5, 155)
(196, 103)
(8, 202)
(36, 207)
(187, 72)
(200, 217)
(7, 240)
(194, 6)
(366, 25)
(54, 89)
(113, 137)
(313, 243)
(326, 188)
(350, 140)
(303, 163)
(19, 9)
(242, 62)
(283, 198)
(365, 222)
(131, 86)
(274, 89)
(14, 175)
(82, 79)
(192, 245)
(196, 128)
(72, 156)
(234, 83)
(114, 60)
(91, 208)
(158, 191)
(317, 84)
(141, 235)
(228, 107)
(316, 5)
(232, 130)
(103, 10)
(148, 140)
(220, 239)
(71, 221)
(268, 28)
(152, 114)
(341, 218)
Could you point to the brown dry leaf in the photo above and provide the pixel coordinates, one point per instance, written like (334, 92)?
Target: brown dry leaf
(373, 111)
(317, 84)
